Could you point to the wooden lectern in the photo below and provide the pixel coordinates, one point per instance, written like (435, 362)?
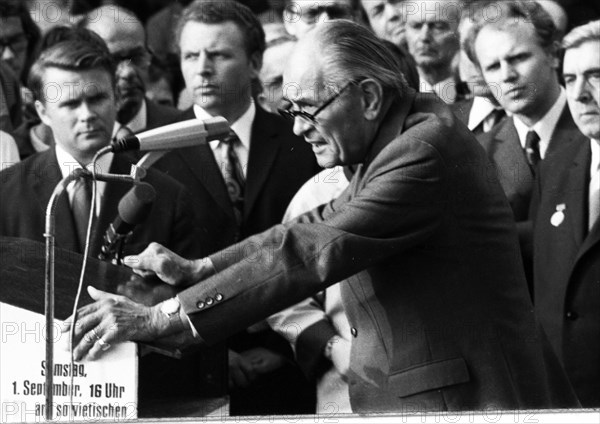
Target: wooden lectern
(171, 383)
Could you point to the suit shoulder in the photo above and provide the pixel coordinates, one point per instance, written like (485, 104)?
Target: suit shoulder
(37, 165)
(461, 109)
(162, 181)
(562, 157)
(431, 120)
(159, 115)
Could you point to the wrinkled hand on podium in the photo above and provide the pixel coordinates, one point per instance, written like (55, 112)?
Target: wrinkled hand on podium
(113, 318)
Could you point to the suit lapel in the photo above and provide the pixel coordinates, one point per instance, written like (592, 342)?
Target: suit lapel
(576, 194)
(506, 150)
(564, 133)
(264, 146)
(202, 164)
(593, 237)
(44, 184)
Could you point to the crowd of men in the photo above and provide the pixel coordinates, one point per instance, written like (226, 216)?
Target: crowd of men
(447, 257)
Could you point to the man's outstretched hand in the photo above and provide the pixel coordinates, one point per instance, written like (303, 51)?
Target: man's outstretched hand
(168, 266)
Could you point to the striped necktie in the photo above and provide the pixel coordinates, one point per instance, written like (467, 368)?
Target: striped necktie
(233, 175)
(82, 197)
(532, 149)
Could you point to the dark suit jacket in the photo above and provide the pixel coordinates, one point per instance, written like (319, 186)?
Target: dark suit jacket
(11, 113)
(25, 190)
(567, 268)
(158, 115)
(278, 164)
(510, 166)
(434, 289)
(510, 163)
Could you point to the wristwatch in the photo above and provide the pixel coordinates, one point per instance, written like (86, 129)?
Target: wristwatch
(170, 308)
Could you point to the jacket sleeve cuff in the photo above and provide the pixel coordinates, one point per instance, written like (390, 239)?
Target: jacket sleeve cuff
(310, 346)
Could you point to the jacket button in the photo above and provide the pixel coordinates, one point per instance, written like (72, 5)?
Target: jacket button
(572, 316)
(218, 297)
(200, 305)
(209, 301)
(354, 332)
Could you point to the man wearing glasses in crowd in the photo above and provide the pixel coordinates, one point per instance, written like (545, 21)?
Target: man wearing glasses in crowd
(299, 16)
(126, 41)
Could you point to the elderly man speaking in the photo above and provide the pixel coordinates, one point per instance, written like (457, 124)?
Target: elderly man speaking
(423, 240)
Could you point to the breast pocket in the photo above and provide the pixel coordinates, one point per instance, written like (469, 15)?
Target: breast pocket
(428, 376)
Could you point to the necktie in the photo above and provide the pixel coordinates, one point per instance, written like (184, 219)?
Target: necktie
(82, 196)
(532, 148)
(594, 198)
(233, 175)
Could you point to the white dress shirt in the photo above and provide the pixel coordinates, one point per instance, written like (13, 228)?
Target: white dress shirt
(140, 121)
(594, 186)
(545, 126)
(9, 153)
(243, 129)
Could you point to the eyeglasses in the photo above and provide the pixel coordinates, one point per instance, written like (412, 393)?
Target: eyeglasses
(312, 117)
(17, 44)
(333, 11)
(138, 56)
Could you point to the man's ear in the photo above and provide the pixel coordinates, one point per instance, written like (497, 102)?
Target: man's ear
(255, 64)
(372, 98)
(41, 111)
(554, 53)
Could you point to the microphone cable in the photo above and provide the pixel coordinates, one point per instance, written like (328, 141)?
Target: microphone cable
(82, 273)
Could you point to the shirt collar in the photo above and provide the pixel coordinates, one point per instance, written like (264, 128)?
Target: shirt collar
(140, 120)
(480, 110)
(68, 164)
(242, 126)
(545, 126)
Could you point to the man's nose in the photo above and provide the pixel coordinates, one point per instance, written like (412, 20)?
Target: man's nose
(204, 64)
(508, 72)
(126, 71)
(425, 33)
(85, 112)
(580, 90)
(301, 126)
(391, 12)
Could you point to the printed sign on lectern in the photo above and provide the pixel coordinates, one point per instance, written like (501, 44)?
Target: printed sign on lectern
(104, 389)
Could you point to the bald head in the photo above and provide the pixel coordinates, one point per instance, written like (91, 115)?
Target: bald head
(116, 26)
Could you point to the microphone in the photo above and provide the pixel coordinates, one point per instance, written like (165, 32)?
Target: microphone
(133, 209)
(192, 132)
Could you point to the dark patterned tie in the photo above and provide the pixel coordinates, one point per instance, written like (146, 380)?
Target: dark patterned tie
(234, 175)
(82, 197)
(532, 149)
